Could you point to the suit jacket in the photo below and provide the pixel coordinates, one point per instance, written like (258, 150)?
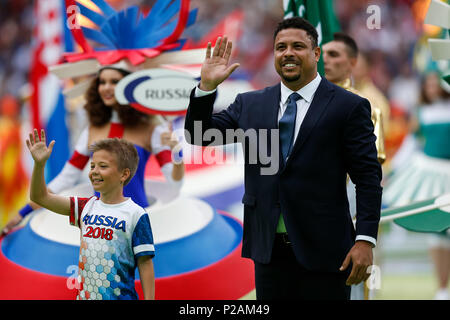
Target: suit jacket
(335, 138)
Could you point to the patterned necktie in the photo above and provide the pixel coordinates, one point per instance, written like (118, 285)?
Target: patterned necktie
(287, 125)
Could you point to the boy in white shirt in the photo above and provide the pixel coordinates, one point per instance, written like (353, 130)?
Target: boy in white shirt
(115, 232)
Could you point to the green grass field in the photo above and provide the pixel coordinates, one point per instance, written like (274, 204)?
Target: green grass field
(420, 286)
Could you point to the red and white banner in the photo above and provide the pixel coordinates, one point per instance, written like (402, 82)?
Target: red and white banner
(47, 102)
(47, 51)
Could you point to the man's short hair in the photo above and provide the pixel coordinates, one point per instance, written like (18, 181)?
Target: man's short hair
(298, 23)
(124, 151)
(352, 47)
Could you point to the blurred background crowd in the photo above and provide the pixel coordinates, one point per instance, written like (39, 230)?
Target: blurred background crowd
(397, 57)
(394, 51)
(391, 49)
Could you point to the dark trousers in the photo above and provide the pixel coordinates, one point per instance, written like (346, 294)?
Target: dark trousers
(285, 279)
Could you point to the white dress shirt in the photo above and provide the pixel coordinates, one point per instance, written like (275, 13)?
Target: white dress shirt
(307, 95)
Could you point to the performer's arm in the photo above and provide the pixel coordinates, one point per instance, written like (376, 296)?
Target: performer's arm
(172, 165)
(73, 169)
(15, 220)
(377, 119)
(169, 139)
(38, 189)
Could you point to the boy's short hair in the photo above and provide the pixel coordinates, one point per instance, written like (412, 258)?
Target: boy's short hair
(298, 23)
(124, 151)
(350, 43)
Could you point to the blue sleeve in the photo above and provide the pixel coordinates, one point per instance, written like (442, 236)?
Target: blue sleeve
(142, 239)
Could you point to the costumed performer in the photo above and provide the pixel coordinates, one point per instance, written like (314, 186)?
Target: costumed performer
(426, 173)
(108, 119)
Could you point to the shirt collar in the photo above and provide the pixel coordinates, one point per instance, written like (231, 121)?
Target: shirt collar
(307, 92)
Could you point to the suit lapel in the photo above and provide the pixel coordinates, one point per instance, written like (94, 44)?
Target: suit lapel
(272, 101)
(320, 101)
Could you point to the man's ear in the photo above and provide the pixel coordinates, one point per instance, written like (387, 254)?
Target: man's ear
(353, 61)
(317, 53)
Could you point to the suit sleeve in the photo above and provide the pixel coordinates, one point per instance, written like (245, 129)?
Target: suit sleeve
(200, 118)
(364, 168)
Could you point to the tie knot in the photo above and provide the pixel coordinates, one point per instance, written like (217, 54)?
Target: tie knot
(294, 97)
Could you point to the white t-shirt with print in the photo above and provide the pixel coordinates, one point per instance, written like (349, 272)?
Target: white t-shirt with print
(113, 236)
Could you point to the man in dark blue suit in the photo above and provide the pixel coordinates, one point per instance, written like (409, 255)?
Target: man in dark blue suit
(297, 225)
